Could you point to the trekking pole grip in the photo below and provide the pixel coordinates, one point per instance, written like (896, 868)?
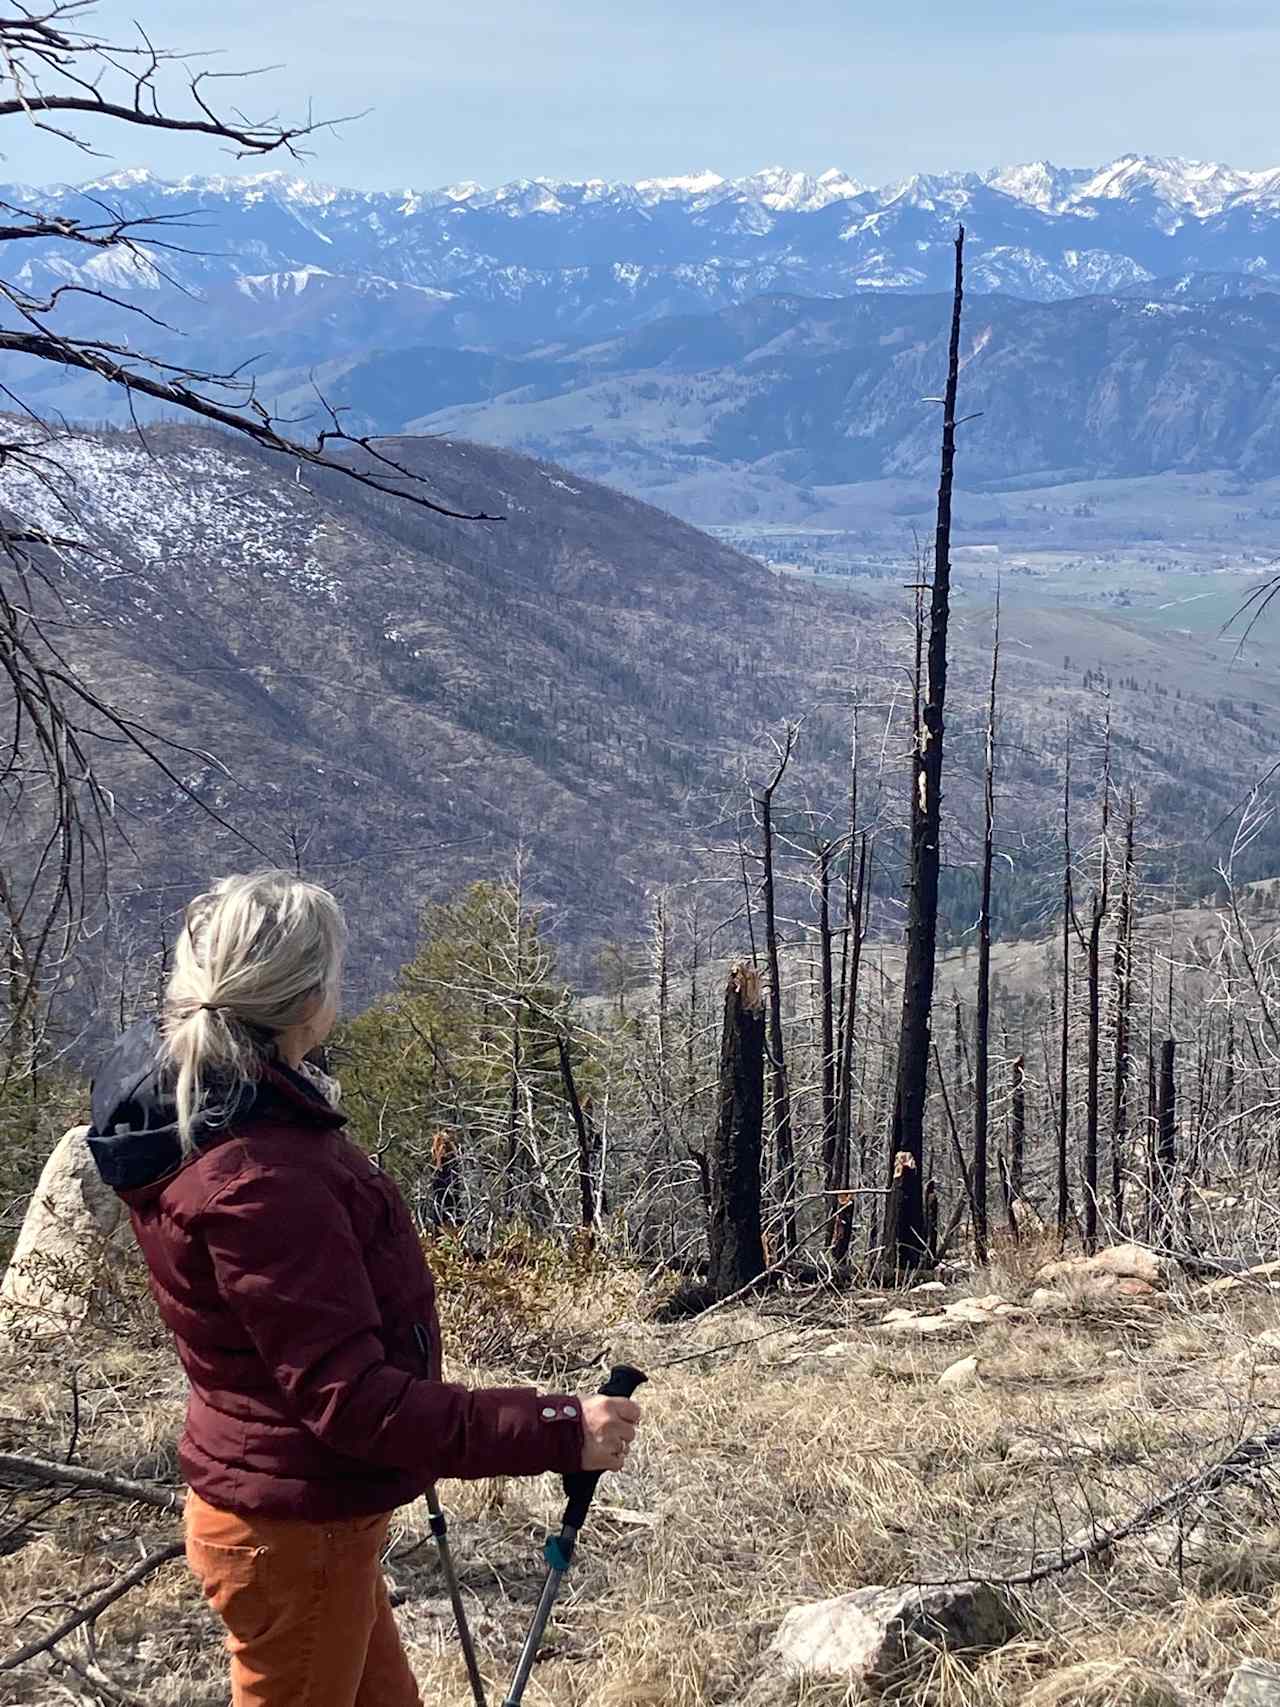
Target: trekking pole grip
(580, 1485)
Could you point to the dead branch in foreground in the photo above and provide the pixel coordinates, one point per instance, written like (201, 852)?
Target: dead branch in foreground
(86, 1614)
(43, 1472)
(1239, 1466)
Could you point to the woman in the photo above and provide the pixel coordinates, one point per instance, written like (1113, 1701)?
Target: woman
(289, 1272)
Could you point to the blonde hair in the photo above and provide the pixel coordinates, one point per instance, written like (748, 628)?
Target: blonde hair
(255, 956)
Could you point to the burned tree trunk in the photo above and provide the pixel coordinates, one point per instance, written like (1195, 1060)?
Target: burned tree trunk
(1166, 1156)
(586, 1184)
(1122, 979)
(1097, 915)
(783, 1136)
(735, 1240)
(982, 1019)
(842, 1215)
(827, 1016)
(1064, 1034)
(905, 1239)
(443, 1192)
(1018, 1124)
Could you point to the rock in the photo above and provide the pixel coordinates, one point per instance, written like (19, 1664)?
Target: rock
(1127, 1262)
(961, 1374)
(902, 1323)
(66, 1236)
(971, 1310)
(1045, 1299)
(930, 1286)
(1256, 1683)
(878, 1636)
(1269, 1340)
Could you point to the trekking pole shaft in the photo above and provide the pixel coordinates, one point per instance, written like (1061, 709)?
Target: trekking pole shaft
(438, 1529)
(533, 1641)
(579, 1485)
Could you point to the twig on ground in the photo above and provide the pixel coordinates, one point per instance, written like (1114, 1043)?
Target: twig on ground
(86, 1614)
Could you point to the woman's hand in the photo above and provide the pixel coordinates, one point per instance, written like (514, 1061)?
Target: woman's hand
(609, 1426)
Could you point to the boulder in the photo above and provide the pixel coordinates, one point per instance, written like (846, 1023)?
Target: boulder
(930, 1286)
(1125, 1262)
(878, 1636)
(1256, 1683)
(960, 1374)
(66, 1238)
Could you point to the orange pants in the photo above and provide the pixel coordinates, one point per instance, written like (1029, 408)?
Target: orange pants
(308, 1620)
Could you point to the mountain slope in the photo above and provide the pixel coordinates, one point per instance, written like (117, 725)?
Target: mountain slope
(823, 394)
(403, 703)
(412, 700)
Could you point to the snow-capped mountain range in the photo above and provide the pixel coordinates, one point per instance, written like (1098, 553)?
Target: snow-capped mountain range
(307, 279)
(537, 256)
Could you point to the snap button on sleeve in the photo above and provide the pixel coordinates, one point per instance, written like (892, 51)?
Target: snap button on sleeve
(570, 1411)
(548, 1413)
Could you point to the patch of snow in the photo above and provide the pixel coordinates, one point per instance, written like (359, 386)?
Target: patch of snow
(693, 184)
(194, 504)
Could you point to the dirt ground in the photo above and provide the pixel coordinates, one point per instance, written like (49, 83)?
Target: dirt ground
(818, 1457)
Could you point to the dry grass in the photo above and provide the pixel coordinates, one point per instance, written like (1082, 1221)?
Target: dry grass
(770, 1475)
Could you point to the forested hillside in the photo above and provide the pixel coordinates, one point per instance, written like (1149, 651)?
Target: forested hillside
(406, 702)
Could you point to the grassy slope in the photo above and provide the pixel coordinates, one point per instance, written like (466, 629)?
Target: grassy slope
(818, 1461)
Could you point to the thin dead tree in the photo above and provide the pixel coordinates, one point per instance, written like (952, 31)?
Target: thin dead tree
(1165, 1159)
(904, 1239)
(780, 1091)
(1122, 988)
(1099, 902)
(1064, 1029)
(982, 1016)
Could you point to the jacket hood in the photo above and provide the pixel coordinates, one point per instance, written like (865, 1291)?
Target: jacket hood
(133, 1137)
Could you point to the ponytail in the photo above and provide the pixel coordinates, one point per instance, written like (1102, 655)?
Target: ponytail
(256, 956)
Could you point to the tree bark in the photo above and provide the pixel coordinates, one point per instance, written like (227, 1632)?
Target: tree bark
(736, 1243)
(904, 1238)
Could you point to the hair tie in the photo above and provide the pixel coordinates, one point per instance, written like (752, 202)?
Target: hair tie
(212, 1007)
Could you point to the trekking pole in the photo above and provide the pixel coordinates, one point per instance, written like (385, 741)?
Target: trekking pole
(440, 1529)
(580, 1487)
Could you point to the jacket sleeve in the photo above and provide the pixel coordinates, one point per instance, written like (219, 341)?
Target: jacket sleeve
(290, 1267)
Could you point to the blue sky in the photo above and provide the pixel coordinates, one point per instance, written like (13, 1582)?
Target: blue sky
(496, 89)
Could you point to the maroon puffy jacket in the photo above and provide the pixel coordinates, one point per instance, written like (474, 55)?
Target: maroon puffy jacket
(288, 1269)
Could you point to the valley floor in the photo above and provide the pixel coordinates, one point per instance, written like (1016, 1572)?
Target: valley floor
(817, 1458)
